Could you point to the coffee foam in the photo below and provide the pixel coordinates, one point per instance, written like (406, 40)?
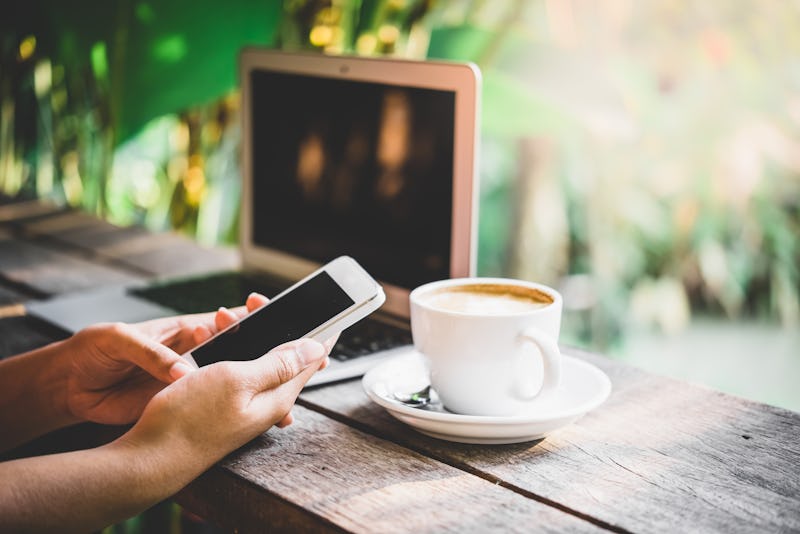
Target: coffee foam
(487, 299)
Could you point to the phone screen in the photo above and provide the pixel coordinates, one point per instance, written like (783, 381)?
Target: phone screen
(286, 318)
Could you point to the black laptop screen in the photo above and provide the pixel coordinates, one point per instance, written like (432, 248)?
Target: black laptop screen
(363, 169)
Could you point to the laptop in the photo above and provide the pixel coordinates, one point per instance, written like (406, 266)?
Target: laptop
(374, 158)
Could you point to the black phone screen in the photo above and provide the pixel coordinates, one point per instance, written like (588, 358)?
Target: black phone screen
(286, 318)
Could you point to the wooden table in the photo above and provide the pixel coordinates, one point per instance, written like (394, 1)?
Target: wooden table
(659, 455)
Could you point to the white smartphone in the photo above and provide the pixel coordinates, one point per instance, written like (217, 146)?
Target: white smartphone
(322, 304)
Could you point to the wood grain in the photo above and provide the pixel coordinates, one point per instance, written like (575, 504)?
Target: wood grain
(320, 474)
(10, 296)
(130, 248)
(658, 455)
(168, 255)
(53, 272)
(18, 209)
(72, 438)
(21, 334)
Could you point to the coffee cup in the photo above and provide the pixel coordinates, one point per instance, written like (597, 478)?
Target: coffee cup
(490, 344)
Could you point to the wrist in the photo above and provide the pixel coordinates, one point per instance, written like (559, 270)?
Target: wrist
(164, 456)
(154, 472)
(36, 381)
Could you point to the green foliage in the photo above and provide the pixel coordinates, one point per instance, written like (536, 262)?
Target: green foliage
(156, 57)
(639, 151)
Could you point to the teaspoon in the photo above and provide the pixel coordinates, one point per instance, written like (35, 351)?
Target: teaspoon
(416, 399)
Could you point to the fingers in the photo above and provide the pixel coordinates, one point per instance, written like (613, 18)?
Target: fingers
(284, 387)
(255, 301)
(287, 420)
(201, 333)
(124, 342)
(331, 342)
(185, 331)
(226, 317)
(282, 364)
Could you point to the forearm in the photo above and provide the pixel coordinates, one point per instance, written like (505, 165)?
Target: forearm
(86, 490)
(32, 400)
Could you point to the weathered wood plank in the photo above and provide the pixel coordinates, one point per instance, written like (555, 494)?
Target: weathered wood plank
(10, 296)
(172, 255)
(71, 438)
(156, 254)
(322, 475)
(54, 272)
(57, 222)
(18, 209)
(21, 334)
(659, 455)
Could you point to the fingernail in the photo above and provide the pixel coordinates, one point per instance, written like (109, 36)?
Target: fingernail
(180, 369)
(309, 351)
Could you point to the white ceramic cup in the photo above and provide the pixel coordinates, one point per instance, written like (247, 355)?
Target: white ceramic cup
(488, 357)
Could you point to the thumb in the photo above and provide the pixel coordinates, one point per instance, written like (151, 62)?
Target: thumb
(283, 363)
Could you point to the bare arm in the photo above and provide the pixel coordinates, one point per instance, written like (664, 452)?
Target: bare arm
(105, 374)
(184, 427)
(31, 398)
(184, 430)
(85, 490)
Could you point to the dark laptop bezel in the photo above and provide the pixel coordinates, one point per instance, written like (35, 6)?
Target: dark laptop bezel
(461, 78)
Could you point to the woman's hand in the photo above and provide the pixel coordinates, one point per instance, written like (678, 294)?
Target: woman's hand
(225, 318)
(185, 428)
(216, 409)
(220, 407)
(113, 370)
(189, 418)
(105, 373)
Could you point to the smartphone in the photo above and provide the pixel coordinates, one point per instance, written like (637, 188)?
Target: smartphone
(320, 305)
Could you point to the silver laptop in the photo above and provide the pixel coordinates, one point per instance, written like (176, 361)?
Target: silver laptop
(370, 157)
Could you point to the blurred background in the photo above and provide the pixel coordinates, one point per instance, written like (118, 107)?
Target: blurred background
(644, 157)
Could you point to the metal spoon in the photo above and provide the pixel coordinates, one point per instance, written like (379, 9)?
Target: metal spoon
(415, 399)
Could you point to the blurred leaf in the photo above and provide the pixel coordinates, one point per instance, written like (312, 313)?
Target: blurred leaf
(186, 54)
(463, 43)
(512, 109)
(162, 57)
(99, 59)
(510, 106)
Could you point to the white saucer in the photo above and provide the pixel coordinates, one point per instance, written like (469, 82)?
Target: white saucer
(583, 388)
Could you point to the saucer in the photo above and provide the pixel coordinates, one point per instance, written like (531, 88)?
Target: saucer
(583, 387)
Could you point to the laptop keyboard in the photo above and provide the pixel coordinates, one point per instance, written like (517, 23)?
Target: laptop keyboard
(368, 336)
(207, 293)
(230, 289)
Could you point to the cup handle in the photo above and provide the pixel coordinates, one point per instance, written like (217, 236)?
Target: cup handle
(551, 358)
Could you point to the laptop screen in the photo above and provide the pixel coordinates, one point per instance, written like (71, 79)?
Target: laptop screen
(353, 167)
